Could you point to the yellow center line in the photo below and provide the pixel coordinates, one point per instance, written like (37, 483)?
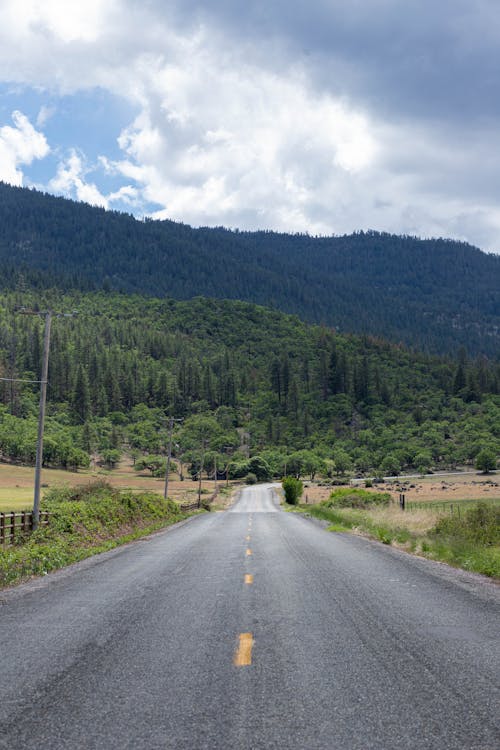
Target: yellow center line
(243, 653)
(248, 538)
(249, 552)
(248, 578)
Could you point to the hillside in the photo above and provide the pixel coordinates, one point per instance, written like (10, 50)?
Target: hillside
(433, 295)
(249, 380)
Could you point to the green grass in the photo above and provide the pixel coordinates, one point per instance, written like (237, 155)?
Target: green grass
(353, 497)
(471, 541)
(451, 505)
(18, 498)
(84, 521)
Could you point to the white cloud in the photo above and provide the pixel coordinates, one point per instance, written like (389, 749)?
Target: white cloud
(19, 146)
(71, 181)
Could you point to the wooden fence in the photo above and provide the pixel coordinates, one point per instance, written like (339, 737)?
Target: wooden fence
(14, 524)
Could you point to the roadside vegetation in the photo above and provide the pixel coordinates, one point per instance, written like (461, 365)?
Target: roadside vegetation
(84, 520)
(469, 539)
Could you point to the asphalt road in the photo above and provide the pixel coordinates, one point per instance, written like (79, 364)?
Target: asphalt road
(253, 628)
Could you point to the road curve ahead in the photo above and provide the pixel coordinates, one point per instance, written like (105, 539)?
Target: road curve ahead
(251, 629)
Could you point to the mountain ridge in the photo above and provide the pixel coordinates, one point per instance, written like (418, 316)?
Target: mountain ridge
(430, 294)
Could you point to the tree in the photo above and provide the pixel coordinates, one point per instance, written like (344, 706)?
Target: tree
(486, 460)
(342, 461)
(155, 464)
(81, 395)
(390, 466)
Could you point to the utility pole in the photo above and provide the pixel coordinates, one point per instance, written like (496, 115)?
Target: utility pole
(215, 473)
(41, 419)
(43, 398)
(169, 453)
(227, 448)
(202, 463)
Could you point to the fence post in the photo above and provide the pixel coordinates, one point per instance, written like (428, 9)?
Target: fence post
(12, 527)
(402, 502)
(2, 528)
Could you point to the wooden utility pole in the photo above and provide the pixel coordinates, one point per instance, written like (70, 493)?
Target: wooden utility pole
(41, 419)
(48, 314)
(202, 463)
(169, 455)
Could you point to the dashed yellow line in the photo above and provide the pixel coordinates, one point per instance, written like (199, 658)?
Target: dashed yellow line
(247, 538)
(243, 653)
(249, 552)
(248, 578)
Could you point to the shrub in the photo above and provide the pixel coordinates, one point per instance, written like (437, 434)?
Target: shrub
(250, 478)
(293, 489)
(480, 524)
(352, 497)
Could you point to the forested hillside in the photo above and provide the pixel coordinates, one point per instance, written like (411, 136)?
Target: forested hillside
(434, 295)
(247, 381)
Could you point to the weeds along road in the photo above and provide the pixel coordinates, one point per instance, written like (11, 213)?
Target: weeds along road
(251, 629)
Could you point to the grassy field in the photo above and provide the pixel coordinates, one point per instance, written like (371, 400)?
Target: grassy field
(16, 483)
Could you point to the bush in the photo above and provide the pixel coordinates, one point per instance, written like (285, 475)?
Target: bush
(293, 489)
(351, 497)
(480, 524)
(250, 478)
(84, 520)
(83, 493)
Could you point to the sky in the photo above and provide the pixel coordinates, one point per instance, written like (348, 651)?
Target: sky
(318, 116)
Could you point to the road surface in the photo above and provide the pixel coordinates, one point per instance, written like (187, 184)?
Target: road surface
(251, 629)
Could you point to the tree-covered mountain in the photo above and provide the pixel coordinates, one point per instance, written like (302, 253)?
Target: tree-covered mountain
(252, 380)
(433, 295)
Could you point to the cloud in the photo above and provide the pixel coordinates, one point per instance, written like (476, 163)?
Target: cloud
(322, 117)
(19, 146)
(71, 181)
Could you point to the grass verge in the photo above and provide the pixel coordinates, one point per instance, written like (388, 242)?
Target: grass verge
(471, 541)
(84, 521)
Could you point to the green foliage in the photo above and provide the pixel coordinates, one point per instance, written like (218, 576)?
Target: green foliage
(157, 465)
(390, 466)
(352, 497)
(486, 460)
(84, 520)
(342, 462)
(251, 478)
(260, 468)
(293, 489)
(346, 403)
(111, 457)
(480, 524)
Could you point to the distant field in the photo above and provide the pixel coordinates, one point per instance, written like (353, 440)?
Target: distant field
(16, 483)
(429, 489)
